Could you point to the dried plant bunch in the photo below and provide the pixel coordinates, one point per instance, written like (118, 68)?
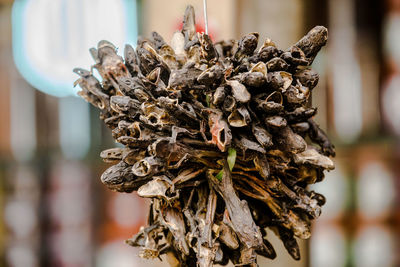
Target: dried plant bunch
(214, 135)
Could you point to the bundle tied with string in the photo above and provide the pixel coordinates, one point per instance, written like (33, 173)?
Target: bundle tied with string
(214, 135)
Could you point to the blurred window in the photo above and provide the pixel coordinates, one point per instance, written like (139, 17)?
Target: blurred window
(51, 37)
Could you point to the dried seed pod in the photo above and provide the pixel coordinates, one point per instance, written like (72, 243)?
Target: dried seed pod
(268, 51)
(157, 40)
(295, 97)
(262, 135)
(295, 57)
(91, 89)
(110, 66)
(300, 114)
(277, 64)
(312, 157)
(157, 188)
(300, 127)
(146, 166)
(256, 79)
(272, 104)
(178, 44)
(112, 155)
(219, 129)
(214, 136)
(306, 174)
(319, 136)
(227, 236)
(276, 122)
(229, 103)
(189, 25)
(247, 45)
(168, 56)
(245, 144)
(289, 141)
(131, 60)
(279, 80)
(307, 77)
(267, 43)
(290, 243)
(147, 61)
(262, 165)
(239, 91)
(313, 41)
(184, 78)
(123, 104)
(211, 75)
(120, 178)
(239, 117)
(259, 67)
(219, 95)
(208, 51)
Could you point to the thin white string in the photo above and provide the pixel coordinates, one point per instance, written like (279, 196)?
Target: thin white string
(205, 16)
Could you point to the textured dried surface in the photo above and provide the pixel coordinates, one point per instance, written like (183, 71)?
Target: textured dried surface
(214, 135)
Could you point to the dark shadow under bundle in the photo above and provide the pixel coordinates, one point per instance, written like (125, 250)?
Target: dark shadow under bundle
(214, 134)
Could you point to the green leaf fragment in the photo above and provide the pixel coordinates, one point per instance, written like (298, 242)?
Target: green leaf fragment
(231, 162)
(219, 175)
(208, 100)
(231, 158)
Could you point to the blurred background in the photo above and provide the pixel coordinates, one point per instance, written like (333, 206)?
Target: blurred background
(54, 211)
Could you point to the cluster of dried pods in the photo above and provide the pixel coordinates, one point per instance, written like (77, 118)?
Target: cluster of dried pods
(214, 134)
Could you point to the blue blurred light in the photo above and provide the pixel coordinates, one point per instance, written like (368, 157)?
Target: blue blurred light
(51, 37)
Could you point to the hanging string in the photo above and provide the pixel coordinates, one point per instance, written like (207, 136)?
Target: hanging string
(205, 15)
